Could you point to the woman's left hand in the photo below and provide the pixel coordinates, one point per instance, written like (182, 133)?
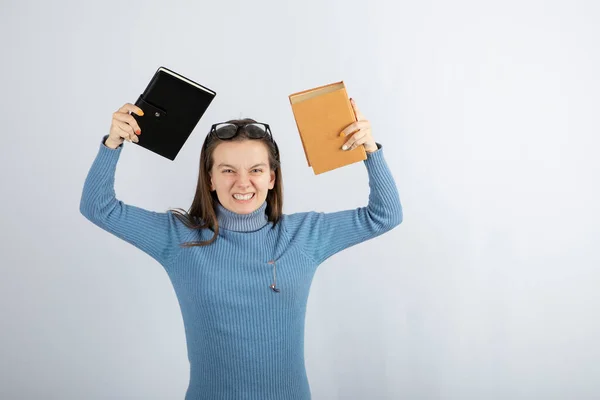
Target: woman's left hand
(360, 131)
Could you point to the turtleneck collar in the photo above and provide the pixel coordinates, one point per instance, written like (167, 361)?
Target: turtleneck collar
(242, 222)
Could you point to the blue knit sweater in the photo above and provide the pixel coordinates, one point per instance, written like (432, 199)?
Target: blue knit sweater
(244, 339)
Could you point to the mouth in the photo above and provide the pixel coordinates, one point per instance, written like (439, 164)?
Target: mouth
(243, 198)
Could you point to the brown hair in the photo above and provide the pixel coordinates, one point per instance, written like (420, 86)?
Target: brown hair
(202, 213)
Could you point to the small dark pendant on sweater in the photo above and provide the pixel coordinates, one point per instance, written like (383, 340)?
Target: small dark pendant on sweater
(274, 288)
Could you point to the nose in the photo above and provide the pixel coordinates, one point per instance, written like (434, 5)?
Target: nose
(243, 181)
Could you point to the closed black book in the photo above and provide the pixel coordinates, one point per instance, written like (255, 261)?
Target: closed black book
(172, 105)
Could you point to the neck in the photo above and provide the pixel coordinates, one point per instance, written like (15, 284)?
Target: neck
(242, 222)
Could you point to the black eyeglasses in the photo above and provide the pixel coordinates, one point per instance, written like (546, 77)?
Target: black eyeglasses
(254, 130)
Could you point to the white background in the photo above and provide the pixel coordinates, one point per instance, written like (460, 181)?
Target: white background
(488, 114)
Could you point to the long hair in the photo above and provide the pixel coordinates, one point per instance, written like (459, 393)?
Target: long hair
(202, 213)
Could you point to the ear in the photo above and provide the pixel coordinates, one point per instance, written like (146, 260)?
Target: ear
(272, 180)
(212, 185)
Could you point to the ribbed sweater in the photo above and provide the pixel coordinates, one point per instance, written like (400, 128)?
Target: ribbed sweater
(244, 339)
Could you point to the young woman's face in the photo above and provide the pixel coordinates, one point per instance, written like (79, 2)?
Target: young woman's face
(241, 175)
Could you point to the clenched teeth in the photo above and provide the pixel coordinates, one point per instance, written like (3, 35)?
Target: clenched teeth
(243, 196)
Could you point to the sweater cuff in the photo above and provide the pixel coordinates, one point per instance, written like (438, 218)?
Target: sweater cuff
(104, 140)
(379, 147)
(106, 154)
(376, 159)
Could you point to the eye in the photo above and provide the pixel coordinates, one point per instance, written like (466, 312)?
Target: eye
(257, 170)
(227, 170)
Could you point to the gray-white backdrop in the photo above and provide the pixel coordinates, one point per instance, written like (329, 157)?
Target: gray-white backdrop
(488, 114)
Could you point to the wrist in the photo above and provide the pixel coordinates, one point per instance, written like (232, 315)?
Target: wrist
(110, 143)
(371, 148)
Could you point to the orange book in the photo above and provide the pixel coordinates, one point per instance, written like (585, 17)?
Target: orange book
(321, 114)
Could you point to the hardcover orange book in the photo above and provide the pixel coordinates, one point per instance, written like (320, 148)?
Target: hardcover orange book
(321, 114)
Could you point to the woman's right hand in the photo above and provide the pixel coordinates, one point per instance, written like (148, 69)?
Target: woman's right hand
(124, 126)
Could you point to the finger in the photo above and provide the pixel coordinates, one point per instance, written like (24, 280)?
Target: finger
(127, 118)
(356, 126)
(128, 107)
(126, 131)
(359, 115)
(360, 135)
(359, 142)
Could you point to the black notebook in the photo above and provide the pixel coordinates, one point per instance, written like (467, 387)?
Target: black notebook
(172, 105)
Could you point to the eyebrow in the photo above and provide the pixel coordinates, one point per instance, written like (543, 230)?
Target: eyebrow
(231, 166)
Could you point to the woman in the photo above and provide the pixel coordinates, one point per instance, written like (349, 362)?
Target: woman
(240, 268)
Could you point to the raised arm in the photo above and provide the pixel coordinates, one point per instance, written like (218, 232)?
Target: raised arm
(157, 234)
(324, 234)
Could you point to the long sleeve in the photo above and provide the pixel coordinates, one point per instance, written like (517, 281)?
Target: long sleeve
(157, 234)
(324, 234)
